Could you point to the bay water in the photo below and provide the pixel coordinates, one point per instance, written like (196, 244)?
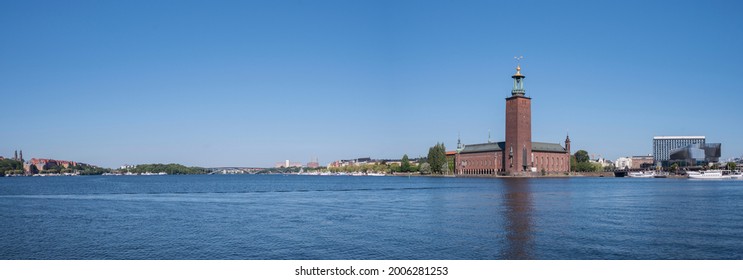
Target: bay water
(348, 217)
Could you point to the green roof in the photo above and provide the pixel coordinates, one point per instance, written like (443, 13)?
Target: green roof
(500, 146)
(484, 147)
(547, 147)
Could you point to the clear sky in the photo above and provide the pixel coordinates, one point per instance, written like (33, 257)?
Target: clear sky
(251, 83)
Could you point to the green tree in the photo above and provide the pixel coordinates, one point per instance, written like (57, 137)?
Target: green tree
(597, 167)
(674, 167)
(405, 164)
(425, 168)
(173, 168)
(54, 169)
(414, 168)
(581, 156)
(34, 169)
(8, 165)
(731, 166)
(394, 167)
(437, 158)
(573, 164)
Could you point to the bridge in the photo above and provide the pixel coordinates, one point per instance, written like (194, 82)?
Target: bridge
(234, 170)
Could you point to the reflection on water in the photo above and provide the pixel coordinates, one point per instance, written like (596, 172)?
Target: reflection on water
(518, 210)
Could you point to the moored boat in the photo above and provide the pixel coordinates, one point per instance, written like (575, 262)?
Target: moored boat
(642, 174)
(708, 174)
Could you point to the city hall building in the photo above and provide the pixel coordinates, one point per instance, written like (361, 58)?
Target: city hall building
(517, 155)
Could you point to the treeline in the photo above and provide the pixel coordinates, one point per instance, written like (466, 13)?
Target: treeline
(368, 168)
(286, 170)
(10, 166)
(580, 162)
(170, 169)
(435, 163)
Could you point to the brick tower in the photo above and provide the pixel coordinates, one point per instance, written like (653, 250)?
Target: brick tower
(518, 155)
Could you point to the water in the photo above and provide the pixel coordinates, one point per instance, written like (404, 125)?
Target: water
(323, 217)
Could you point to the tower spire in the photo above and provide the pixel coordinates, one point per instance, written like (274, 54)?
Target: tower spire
(518, 79)
(460, 147)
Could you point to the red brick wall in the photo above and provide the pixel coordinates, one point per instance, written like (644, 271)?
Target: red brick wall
(518, 133)
(485, 163)
(552, 162)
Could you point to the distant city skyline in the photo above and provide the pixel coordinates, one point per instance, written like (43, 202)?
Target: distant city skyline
(253, 83)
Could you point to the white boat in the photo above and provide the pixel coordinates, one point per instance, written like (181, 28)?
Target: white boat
(642, 174)
(708, 174)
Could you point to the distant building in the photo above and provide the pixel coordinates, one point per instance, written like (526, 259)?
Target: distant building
(642, 162)
(517, 155)
(602, 161)
(696, 154)
(662, 145)
(623, 163)
(313, 163)
(42, 164)
(288, 164)
(354, 162)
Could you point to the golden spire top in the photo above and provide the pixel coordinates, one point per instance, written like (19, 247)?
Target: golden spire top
(518, 65)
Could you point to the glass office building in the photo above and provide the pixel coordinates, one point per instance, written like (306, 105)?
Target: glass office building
(663, 145)
(696, 154)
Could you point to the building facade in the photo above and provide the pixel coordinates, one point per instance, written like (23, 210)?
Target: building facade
(518, 154)
(642, 162)
(623, 163)
(662, 145)
(696, 154)
(287, 164)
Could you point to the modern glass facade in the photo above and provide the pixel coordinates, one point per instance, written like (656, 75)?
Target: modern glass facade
(663, 145)
(696, 154)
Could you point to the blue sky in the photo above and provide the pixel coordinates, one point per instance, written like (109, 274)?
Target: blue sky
(251, 83)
